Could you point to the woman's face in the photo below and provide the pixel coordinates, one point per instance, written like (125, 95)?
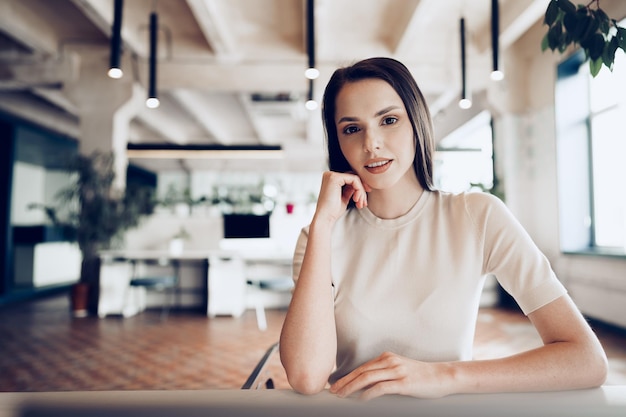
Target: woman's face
(375, 133)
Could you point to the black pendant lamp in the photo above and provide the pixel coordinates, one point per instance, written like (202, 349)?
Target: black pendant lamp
(153, 100)
(496, 73)
(465, 102)
(115, 67)
(311, 72)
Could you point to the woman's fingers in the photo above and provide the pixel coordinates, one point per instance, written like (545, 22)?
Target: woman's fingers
(392, 374)
(379, 369)
(359, 189)
(338, 189)
(383, 388)
(370, 381)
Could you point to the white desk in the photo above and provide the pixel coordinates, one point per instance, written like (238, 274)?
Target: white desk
(222, 275)
(601, 402)
(115, 273)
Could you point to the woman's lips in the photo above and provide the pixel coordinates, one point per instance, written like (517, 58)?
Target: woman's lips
(378, 167)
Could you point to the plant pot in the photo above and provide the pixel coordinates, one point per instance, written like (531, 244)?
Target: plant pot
(79, 300)
(176, 247)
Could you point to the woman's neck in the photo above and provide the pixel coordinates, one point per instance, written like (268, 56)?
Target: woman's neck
(395, 202)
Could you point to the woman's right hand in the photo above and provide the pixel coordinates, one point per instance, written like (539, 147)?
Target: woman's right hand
(336, 191)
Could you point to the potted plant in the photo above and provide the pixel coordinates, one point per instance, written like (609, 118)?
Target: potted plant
(586, 25)
(177, 243)
(95, 214)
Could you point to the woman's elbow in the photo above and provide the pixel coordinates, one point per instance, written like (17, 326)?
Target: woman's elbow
(599, 370)
(594, 366)
(307, 383)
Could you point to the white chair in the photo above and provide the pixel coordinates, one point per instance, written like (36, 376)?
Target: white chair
(269, 285)
(227, 285)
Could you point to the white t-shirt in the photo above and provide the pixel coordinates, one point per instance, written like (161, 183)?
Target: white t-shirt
(412, 285)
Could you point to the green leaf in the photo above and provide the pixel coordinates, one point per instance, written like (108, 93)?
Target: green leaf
(551, 13)
(580, 24)
(544, 43)
(608, 55)
(604, 23)
(554, 36)
(566, 5)
(595, 65)
(596, 47)
(621, 38)
(570, 21)
(567, 39)
(587, 37)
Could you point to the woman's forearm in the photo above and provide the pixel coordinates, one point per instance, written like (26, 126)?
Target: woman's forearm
(571, 358)
(559, 366)
(308, 341)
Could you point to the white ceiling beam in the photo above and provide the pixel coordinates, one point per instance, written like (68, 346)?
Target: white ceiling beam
(31, 71)
(421, 15)
(139, 132)
(246, 104)
(168, 127)
(194, 104)
(100, 13)
(28, 27)
(56, 97)
(38, 112)
(513, 31)
(444, 100)
(213, 27)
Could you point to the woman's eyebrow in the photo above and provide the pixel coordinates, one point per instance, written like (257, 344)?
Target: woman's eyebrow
(347, 119)
(386, 110)
(377, 114)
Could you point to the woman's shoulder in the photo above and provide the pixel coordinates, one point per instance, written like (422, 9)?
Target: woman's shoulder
(479, 206)
(469, 199)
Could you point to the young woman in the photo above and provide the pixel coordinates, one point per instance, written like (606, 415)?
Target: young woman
(390, 271)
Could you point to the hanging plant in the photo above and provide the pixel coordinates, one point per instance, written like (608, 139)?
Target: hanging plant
(587, 26)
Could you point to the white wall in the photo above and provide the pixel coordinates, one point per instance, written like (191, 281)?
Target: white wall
(204, 224)
(295, 187)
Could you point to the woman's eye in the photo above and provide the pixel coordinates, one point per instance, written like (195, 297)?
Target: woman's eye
(389, 120)
(350, 129)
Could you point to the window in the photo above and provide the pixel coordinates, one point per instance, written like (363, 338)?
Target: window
(464, 158)
(591, 152)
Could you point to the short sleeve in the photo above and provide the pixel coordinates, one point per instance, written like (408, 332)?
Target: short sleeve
(512, 256)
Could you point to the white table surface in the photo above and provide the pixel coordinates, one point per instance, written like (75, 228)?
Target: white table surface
(604, 401)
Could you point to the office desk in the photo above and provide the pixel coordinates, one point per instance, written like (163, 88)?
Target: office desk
(115, 273)
(604, 401)
(221, 274)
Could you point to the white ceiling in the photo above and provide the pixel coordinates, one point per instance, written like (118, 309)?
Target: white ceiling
(214, 55)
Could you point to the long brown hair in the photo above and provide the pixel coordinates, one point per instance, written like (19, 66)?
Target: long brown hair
(399, 77)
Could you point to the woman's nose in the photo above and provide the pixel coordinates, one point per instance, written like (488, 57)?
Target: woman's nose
(373, 142)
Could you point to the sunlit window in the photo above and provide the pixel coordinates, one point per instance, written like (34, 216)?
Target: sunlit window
(608, 154)
(591, 147)
(464, 158)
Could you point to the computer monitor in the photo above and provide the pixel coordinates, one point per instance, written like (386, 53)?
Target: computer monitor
(237, 226)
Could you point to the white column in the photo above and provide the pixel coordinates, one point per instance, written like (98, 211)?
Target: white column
(106, 106)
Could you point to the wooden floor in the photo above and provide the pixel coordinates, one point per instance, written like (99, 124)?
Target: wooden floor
(42, 348)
